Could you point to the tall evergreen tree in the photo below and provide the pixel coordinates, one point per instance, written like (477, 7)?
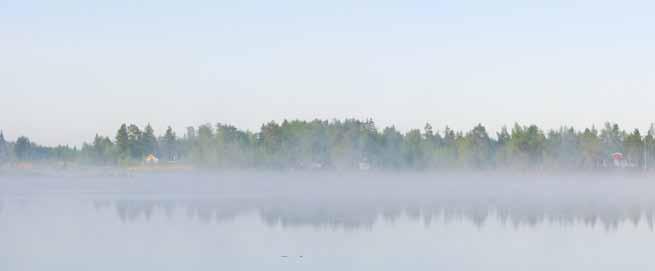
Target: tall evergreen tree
(135, 142)
(611, 138)
(649, 148)
(122, 142)
(169, 145)
(590, 146)
(149, 141)
(633, 147)
(4, 149)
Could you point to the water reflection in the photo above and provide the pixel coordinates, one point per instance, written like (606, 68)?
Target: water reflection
(355, 214)
(350, 202)
(367, 223)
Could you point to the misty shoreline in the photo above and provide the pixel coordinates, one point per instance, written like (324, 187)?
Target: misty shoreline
(123, 172)
(348, 144)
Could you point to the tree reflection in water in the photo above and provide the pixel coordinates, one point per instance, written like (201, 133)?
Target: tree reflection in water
(352, 214)
(355, 201)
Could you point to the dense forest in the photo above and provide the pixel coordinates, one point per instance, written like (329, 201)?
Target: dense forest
(352, 144)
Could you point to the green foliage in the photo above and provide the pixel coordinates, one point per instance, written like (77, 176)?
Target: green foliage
(352, 144)
(135, 142)
(527, 146)
(4, 149)
(122, 145)
(149, 144)
(611, 138)
(169, 145)
(633, 146)
(101, 152)
(476, 149)
(23, 148)
(591, 148)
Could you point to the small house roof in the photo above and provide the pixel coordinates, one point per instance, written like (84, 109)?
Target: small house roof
(151, 157)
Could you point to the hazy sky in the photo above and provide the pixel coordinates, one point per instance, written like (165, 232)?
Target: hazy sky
(69, 69)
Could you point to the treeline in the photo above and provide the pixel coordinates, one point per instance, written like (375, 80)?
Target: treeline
(25, 150)
(355, 144)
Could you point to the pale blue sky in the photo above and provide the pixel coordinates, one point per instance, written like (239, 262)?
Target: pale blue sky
(69, 69)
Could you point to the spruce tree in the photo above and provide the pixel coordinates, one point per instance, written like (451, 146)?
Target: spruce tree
(135, 141)
(169, 144)
(149, 141)
(4, 149)
(122, 142)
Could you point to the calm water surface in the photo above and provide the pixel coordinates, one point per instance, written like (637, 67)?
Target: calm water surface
(331, 222)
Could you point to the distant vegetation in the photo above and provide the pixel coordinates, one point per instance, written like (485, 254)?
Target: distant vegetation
(352, 144)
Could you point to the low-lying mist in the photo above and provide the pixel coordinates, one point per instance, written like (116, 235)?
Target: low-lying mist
(350, 200)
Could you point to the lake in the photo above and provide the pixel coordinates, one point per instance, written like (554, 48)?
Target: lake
(327, 221)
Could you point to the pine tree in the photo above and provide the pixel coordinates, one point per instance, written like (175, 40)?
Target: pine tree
(633, 146)
(135, 141)
(169, 145)
(149, 141)
(122, 142)
(4, 149)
